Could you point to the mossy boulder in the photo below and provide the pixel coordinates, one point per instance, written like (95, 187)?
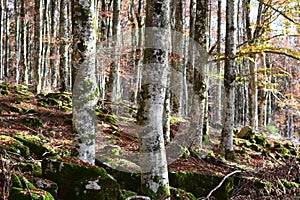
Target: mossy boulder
(200, 185)
(35, 144)
(11, 144)
(4, 89)
(22, 90)
(80, 181)
(123, 177)
(23, 194)
(65, 98)
(180, 194)
(20, 190)
(45, 102)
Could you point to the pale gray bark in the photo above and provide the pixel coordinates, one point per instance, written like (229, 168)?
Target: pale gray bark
(54, 9)
(64, 45)
(113, 87)
(218, 107)
(153, 159)
(199, 84)
(23, 42)
(38, 28)
(229, 81)
(2, 13)
(17, 42)
(85, 91)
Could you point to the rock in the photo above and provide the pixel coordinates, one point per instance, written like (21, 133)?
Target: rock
(11, 144)
(80, 181)
(243, 132)
(200, 185)
(34, 143)
(20, 190)
(48, 186)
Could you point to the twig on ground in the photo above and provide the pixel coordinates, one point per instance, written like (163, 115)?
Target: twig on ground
(220, 184)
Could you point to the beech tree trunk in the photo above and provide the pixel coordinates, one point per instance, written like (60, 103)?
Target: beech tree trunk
(154, 174)
(85, 91)
(229, 82)
(199, 79)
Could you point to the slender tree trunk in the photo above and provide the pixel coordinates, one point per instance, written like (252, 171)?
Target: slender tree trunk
(154, 175)
(64, 45)
(17, 42)
(199, 85)
(85, 91)
(1, 39)
(23, 43)
(113, 87)
(54, 8)
(38, 28)
(229, 82)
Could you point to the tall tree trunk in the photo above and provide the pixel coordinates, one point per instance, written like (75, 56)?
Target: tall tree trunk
(113, 86)
(23, 43)
(54, 8)
(229, 82)
(38, 28)
(154, 174)
(1, 39)
(199, 84)
(85, 91)
(64, 44)
(17, 42)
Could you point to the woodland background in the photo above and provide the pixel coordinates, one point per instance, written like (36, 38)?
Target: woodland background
(247, 76)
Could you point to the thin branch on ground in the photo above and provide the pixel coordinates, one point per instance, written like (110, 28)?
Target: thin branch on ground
(220, 184)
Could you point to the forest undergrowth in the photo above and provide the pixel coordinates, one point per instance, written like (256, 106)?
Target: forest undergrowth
(269, 165)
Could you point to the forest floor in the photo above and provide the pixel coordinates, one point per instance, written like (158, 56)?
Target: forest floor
(273, 161)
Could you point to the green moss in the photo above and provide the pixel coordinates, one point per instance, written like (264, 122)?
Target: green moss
(230, 155)
(125, 194)
(34, 143)
(16, 181)
(206, 140)
(200, 185)
(289, 184)
(4, 89)
(73, 179)
(261, 140)
(11, 144)
(23, 194)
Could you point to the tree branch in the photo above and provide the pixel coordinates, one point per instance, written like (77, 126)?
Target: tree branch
(281, 13)
(220, 184)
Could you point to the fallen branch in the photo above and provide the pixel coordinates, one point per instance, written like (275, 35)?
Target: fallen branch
(220, 184)
(138, 197)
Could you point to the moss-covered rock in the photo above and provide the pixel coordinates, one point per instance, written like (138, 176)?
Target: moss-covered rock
(22, 90)
(200, 185)
(123, 177)
(34, 143)
(180, 194)
(77, 181)
(24, 194)
(126, 193)
(22, 188)
(11, 144)
(4, 89)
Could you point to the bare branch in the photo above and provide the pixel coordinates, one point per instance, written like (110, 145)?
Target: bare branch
(220, 184)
